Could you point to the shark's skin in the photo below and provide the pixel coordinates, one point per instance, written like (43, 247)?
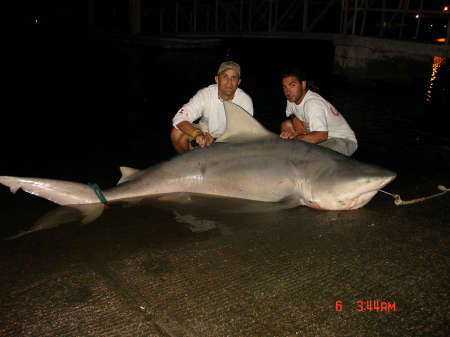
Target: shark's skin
(247, 162)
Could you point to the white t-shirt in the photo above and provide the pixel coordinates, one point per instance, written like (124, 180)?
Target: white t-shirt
(207, 105)
(320, 115)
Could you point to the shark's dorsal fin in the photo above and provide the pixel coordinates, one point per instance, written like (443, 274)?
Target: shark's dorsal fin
(127, 172)
(242, 127)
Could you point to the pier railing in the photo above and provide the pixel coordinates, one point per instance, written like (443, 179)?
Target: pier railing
(404, 19)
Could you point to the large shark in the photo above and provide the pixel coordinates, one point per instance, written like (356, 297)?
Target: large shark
(247, 162)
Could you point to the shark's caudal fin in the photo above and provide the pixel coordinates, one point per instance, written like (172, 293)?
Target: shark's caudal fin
(58, 191)
(64, 214)
(242, 127)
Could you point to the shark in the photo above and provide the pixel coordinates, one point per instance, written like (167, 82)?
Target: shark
(246, 162)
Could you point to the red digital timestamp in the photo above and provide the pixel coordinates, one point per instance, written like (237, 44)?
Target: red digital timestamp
(370, 306)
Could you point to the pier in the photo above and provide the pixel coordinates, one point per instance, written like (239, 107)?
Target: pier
(399, 36)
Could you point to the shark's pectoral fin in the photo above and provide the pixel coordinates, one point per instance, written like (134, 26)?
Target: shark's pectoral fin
(242, 127)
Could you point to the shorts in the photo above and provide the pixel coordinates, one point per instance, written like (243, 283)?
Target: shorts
(341, 145)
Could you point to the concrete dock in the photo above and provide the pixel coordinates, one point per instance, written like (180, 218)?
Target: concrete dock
(230, 268)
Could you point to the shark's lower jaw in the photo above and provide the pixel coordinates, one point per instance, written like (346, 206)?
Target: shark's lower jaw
(361, 200)
(355, 203)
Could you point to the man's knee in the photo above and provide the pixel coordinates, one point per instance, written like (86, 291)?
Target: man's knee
(180, 140)
(286, 126)
(176, 135)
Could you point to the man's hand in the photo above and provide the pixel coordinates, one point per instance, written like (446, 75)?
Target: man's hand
(204, 139)
(287, 135)
(299, 126)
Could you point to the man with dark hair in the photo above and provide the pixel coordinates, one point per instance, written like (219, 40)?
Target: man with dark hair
(312, 118)
(207, 105)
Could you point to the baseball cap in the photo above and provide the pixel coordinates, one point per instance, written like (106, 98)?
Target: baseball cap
(230, 65)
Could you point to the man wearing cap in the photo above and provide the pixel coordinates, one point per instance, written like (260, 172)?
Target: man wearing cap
(207, 104)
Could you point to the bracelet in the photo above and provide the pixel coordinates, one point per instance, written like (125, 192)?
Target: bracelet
(195, 133)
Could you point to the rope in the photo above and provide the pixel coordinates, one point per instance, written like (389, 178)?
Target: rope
(99, 194)
(398, 201)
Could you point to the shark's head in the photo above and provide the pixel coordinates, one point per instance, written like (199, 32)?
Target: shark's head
(349, 188)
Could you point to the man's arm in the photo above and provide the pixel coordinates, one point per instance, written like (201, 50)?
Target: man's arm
(317, 122)
(312, 137)
(186, 128)
(298, 125)
(202, 139)
(191, 111)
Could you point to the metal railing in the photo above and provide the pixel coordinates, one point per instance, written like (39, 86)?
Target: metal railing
(402, 13)
(404, 19)
(250, 16)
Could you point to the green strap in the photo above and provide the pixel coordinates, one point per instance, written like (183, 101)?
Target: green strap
(99, 193)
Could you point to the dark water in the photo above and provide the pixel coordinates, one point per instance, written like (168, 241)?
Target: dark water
(78, 109)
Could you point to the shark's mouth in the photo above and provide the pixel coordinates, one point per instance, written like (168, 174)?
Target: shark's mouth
(355, 203)
(361, 200)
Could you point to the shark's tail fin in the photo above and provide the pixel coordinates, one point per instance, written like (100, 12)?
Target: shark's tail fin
(64, 214)
(57, 191)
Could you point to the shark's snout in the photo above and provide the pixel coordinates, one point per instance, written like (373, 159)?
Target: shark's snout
(364, 197)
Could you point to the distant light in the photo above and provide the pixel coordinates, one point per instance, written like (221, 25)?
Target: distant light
(446, 8)
(417, 16)
(437, 62)
(36, 22)
(440, 40)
